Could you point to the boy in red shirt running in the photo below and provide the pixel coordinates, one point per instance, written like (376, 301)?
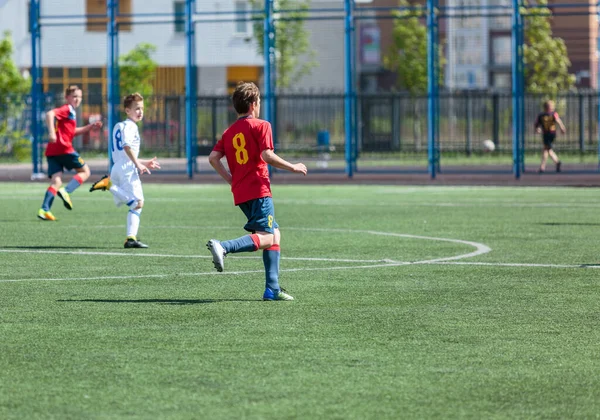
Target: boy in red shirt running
(62, 128)
(248, 147)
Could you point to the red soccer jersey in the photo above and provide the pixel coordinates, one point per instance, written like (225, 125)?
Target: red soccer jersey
(65, 124)
(242, 144)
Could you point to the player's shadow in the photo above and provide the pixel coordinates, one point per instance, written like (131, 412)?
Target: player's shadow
(590, 265)
(51, 247)
(160, 301)
(569, 224)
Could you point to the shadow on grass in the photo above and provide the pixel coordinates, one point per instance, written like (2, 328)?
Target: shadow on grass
(52, 247)
(163, 301)
(568, 224)
(590, 265)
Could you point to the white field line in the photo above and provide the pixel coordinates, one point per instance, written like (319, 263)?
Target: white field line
(130, 255)
(290, 270)
(384, 263)
(532, 265)
(357, 203)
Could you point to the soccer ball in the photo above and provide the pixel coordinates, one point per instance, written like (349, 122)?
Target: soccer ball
(489, 145)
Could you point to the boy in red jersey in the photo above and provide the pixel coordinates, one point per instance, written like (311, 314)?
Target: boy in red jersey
(248, 147)
(545, 124)
(62, 128)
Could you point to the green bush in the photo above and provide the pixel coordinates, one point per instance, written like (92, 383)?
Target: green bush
(21, 148)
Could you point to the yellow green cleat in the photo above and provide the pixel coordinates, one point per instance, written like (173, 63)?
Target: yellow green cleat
(66, 198)
(46, 215)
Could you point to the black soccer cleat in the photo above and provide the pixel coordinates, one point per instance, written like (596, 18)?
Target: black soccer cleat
(134, 243)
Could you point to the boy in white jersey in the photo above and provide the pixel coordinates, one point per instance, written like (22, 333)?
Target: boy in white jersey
(124, 181)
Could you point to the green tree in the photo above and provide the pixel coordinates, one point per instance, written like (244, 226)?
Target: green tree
(407, 58)
(137, 70)
(546, 60)
(13, 87)
(291, 41)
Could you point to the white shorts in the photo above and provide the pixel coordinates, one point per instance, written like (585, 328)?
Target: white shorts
(126, 177)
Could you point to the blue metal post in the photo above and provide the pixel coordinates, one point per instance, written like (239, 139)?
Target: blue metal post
(191, 94)
(355, 116)
(348, 86)
(521, 95)
(36, 91)
(598, 95)
(112, 70)
(274, 83)
(432, 89)
(516, 88)
(268, 55)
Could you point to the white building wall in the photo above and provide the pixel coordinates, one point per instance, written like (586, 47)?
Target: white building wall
(327, 40)
(66, 42)
(14, 18)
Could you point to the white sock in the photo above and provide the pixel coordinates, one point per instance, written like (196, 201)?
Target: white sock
(133, 222)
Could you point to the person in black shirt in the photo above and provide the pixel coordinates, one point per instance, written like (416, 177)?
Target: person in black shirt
(545, 124)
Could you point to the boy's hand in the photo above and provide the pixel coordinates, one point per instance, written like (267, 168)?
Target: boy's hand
(52, 136)
(153, 163)
(142, 169)
(300, 168)
(97, 124)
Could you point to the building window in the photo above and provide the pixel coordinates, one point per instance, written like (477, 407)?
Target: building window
(95, 72)
(501, 50)
(75, 72)
(55, 72)
(501, 80)
(97, 23)
(94, 93)
(179, 9)
(241, 16)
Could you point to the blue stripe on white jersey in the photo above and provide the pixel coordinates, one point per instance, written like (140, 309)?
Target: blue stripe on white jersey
(125, 133)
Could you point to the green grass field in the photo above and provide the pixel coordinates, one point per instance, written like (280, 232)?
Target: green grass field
(422, 302)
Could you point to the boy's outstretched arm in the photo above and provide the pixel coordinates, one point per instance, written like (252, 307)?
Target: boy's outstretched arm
(150, 163)
(50, 125)
(142, 169)
(215, 161)
(86, 128)
(560, 124)
(272, 159)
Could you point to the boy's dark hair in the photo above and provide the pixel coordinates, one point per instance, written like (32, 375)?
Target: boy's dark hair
(547, 104)
(245, 94)
(71, 90)
(129, 99)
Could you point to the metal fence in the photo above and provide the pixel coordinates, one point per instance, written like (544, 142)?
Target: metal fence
(349, 103)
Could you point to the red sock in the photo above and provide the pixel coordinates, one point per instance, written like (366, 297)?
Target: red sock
(78, 178)
(275, 247)
(256, 241)
(52, 190)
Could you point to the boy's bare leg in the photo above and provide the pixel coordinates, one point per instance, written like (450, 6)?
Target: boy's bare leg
(544, 160)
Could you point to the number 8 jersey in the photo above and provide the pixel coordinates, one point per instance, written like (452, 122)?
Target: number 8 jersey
(125, 133)
(242, 144)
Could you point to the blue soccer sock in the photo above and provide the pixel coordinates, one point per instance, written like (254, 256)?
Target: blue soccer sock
(246, 243)
(74, 183)
(271, 260)
(48, 198)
